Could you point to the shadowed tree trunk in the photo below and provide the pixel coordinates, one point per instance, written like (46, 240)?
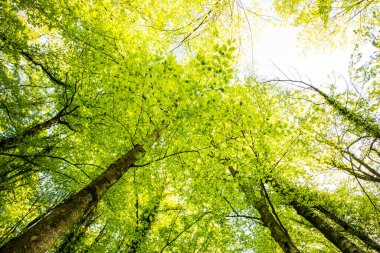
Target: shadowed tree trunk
(143, 226)
(334, 236)
(358, 232)
(12, 141)
(76, 234)
(41, 236)
(278, 232)
(328, 231)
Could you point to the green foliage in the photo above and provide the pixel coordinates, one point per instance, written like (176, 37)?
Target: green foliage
(334, 20)
(107, 72)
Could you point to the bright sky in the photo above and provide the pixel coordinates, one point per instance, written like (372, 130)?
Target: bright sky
(278, 48)
(274, 48)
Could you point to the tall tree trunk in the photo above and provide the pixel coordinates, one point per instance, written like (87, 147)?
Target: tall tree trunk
(76, 234)
(358, 232)
(143, 226)
(368, 124)
(278, 233)
(12, 141)
(40, 237)
(334, 236)
(329, 232)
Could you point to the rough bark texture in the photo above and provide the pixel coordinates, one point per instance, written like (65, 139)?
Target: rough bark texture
(40, 237)
(334, 236)
(77, 233)
(277, 232)
(358, 232)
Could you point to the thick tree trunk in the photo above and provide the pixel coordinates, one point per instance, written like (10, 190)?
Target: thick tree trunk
(40, 237)
(77, 233)
(277, 232)
(334, 236)
(358, 232)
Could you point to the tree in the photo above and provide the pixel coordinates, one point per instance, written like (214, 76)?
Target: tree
(333, 19)
(136, 110)
(269, 219)
(42, 235)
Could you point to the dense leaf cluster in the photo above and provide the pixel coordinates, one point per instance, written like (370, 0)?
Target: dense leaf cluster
(110, 141)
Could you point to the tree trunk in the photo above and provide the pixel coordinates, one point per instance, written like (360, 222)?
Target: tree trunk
(368, 124)
(143, 227)
(334, 236)
(358, 232)
(277, 232)
(329, 232)
(41, 237)
(77, 233)
(11, 142)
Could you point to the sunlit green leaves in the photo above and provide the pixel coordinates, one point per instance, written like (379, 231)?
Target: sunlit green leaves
(131, 68)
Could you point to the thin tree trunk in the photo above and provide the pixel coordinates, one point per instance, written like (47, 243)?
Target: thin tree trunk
(41, 237)
(12, 141)
(334, 236)
(368, 124)
(278, 233)
(143, 226)
(350, 229)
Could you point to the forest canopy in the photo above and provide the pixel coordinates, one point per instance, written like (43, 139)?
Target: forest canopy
(127, 126)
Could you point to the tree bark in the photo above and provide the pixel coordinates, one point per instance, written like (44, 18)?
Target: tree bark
(277, 232)
(77, 233)
(11, 142)
(358, 232)
(329, 232)
(334, 236)
(40, 237)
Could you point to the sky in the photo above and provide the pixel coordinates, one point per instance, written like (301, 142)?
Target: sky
(277, 49)
(274, 50)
